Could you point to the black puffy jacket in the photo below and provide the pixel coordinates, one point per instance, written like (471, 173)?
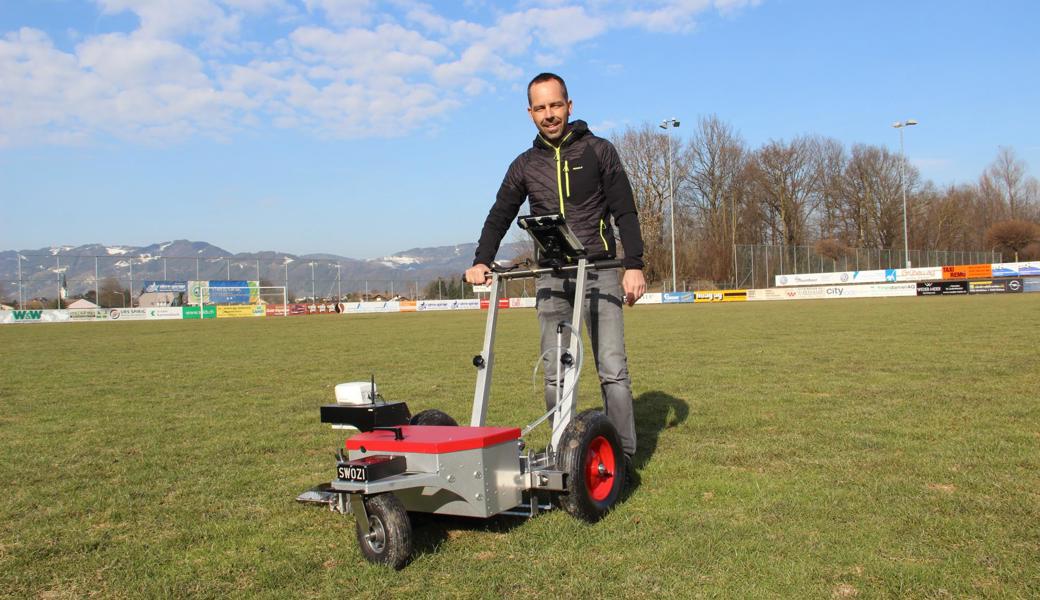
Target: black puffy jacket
(584, 180)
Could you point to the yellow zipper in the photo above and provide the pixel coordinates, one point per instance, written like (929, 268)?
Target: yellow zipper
(559, 171)
(567, 176)
(603, 226)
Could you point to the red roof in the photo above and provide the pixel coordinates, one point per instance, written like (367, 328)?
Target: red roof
(431, 439)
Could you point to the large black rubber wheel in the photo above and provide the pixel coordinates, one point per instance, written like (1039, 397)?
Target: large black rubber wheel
(591, 457)
(387, 537)
(433, 416)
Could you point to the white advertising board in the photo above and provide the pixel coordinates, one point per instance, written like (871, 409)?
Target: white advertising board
(164, 312)
(88, 314)
(874, 276)
(371, 307)
(527, 302)
(650, 298)
(33, 316)
(877, 290)
(465, 304)
(1016, 269)
(127, 314)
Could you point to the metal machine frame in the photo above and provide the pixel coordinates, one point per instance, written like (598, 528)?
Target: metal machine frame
(481, 471)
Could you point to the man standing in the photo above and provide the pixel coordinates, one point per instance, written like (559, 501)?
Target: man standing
(572, 172)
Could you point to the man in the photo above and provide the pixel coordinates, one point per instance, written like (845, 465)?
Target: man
(571, 171)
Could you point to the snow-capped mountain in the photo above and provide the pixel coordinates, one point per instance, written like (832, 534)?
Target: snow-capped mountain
(81, 266)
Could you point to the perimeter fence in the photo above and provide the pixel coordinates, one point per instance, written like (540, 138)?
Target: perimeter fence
(118, 280)
(756, 266)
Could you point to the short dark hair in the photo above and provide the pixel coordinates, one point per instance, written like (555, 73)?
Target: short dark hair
(542, 78)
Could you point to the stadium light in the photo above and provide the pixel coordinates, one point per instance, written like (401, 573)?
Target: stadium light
(671, 124)
(901, 125)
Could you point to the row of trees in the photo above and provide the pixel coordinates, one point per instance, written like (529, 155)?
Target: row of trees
(812, 191)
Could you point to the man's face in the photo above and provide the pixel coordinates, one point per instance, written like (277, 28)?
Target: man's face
(549, 109)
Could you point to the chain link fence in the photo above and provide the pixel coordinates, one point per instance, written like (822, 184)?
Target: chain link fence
(46, 280)
(758, 265)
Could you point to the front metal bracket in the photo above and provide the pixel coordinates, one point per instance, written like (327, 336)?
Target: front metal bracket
(357, 506)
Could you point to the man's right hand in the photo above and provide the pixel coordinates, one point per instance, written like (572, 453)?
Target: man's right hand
(478, 274)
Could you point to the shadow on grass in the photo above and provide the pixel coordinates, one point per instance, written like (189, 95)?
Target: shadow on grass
(429, 530)
(655, 412)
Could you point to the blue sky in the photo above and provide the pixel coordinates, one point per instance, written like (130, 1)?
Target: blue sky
(361, 128)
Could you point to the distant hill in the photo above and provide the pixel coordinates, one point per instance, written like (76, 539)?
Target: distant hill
(43, 268)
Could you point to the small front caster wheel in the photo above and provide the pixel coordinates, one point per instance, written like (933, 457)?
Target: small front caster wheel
(387, 537)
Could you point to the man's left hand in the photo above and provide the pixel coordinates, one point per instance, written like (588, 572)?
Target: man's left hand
(634, 285)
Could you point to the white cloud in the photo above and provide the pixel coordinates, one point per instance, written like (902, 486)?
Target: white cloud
(344, 12)
(163, 19)
(342, 68)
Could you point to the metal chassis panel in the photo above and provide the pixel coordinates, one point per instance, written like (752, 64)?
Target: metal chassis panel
(474, 483)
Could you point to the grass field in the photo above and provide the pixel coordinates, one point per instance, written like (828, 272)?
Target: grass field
(858, 448)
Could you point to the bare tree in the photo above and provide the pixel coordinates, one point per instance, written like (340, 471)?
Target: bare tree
(716, 157)
(786, 178)
(874, 195)
(1009, 186)
(644, 152)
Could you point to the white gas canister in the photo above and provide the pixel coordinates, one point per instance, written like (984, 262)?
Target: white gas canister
(356, 392)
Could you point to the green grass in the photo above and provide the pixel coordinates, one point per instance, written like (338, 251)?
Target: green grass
(886, 448)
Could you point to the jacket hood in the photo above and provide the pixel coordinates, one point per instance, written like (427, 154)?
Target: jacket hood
(575, 131)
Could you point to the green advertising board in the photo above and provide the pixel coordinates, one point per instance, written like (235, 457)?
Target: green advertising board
(192, 312)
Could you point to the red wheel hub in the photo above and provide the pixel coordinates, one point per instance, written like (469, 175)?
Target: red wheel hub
(600, 466)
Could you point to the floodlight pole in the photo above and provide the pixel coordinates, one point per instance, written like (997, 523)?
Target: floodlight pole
(671, 124)
(901, 125)
(314, 297)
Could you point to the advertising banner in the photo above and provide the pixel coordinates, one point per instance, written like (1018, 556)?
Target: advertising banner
(192, 312)
(813, 279)
(241, 310)
(322, 308)
(127, 314)
(874, 276)
(151, 287)
(370, 307)
(526, 302)
(467, 304)
(407, 306)
(677, 297)
(968, 272)
(1031, 284)
(233, 292)
(720, 296)
(1016, 269)
(198, 292)
(33, 316)
(88, 314)
(650, 298)
(996, 286)
(768, 294)
(502, 303)
(942, 288)
(164, 312)
(876, 290)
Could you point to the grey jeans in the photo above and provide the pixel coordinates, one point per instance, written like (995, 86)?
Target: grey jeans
(604, 301)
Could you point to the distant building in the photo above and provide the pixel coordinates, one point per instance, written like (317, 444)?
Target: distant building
(81, 303)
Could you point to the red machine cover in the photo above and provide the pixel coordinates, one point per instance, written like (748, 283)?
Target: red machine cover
(431, 439)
